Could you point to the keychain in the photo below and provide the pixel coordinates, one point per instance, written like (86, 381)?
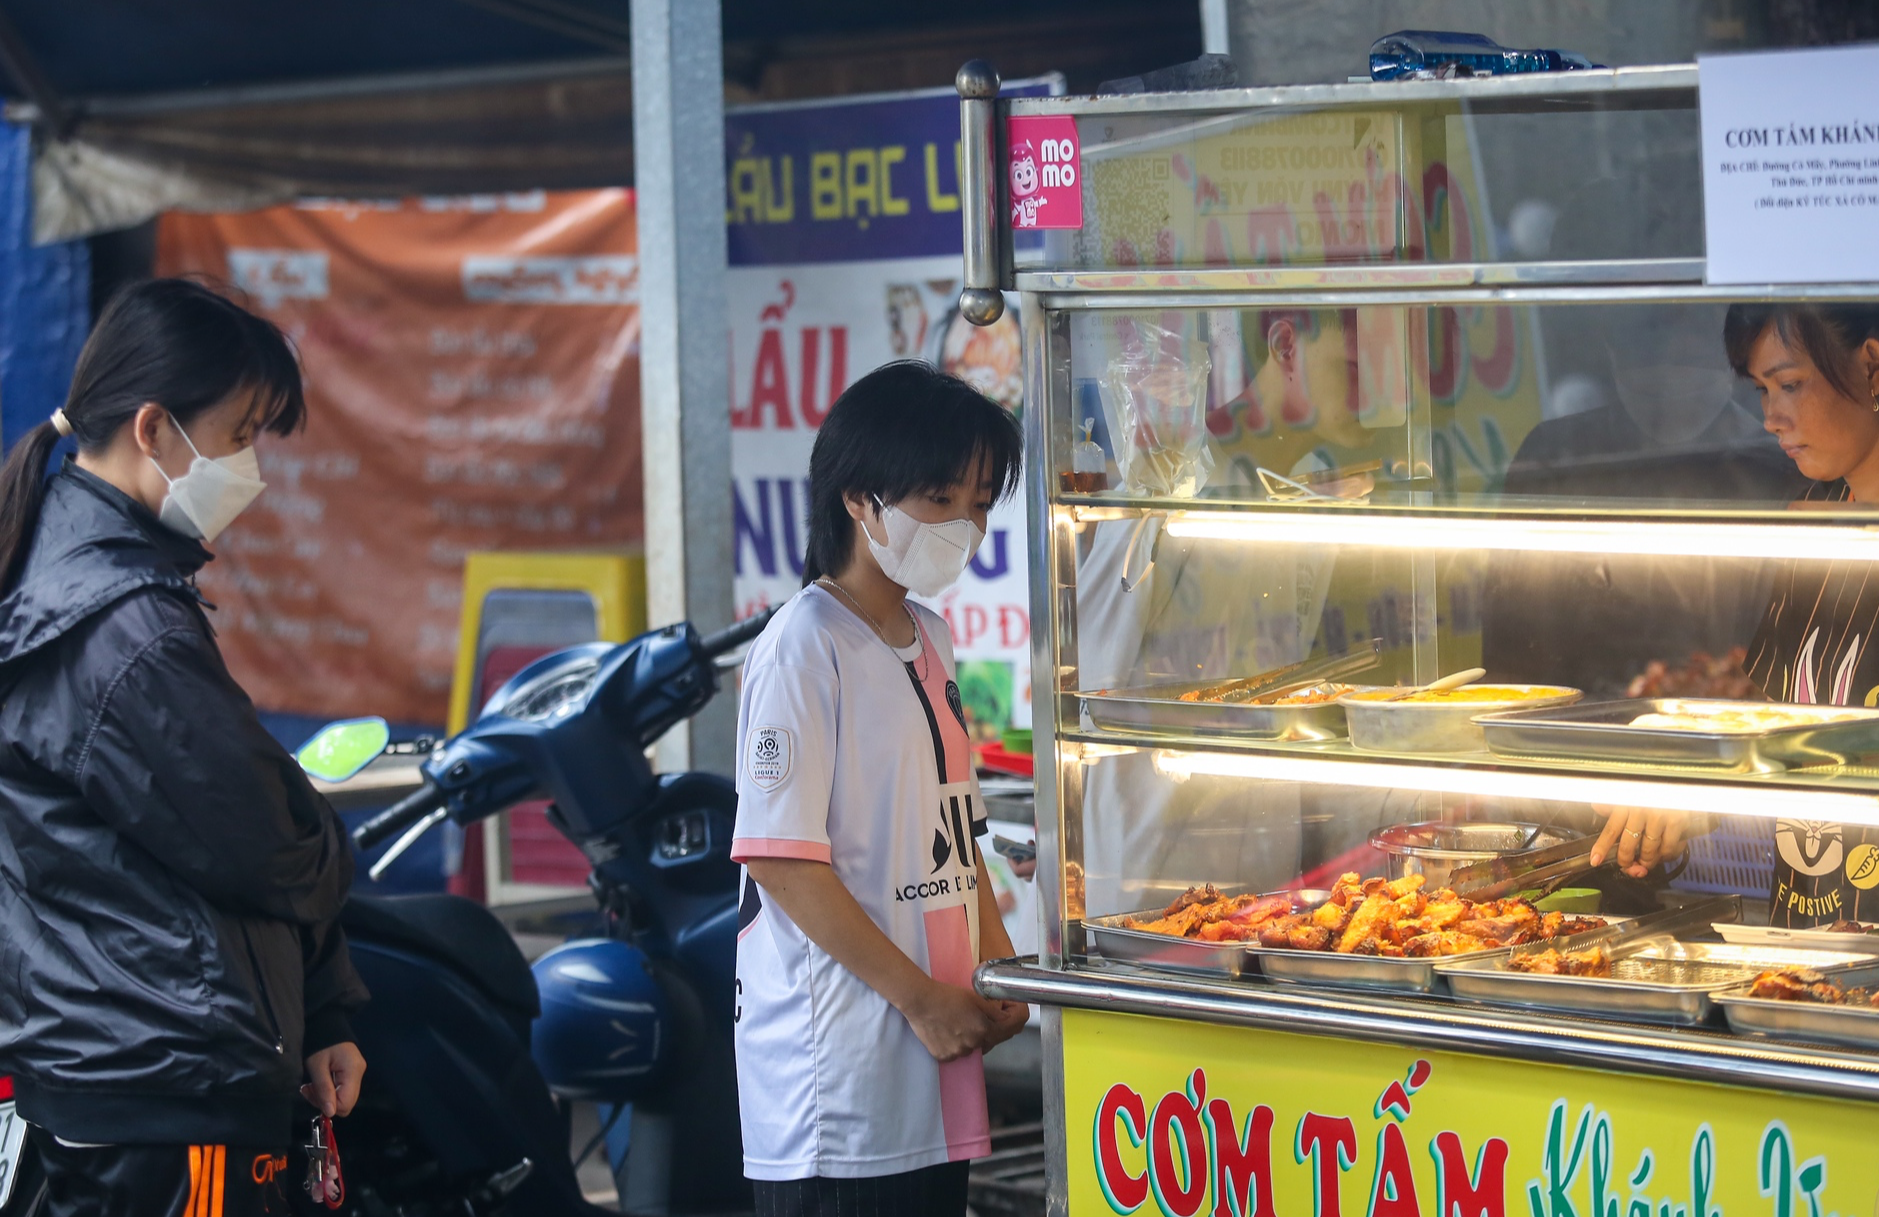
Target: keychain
(324, 1182)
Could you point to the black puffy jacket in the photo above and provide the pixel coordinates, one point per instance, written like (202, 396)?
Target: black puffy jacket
(169, 880)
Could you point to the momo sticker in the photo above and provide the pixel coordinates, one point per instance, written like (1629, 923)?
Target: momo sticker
(767, 758)
(1044, 166)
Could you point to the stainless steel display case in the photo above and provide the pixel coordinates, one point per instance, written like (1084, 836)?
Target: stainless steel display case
(1417, 281)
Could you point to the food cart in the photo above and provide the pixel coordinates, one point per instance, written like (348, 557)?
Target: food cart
(1413, 378)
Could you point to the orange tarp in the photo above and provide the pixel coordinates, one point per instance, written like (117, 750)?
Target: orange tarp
(472, 370)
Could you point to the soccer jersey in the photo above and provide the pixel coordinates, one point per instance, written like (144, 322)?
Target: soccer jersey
(856, 756)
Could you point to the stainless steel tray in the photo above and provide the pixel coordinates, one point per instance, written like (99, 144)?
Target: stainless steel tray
(1336, 971)
(1159, 708)
(1332, 970)
(1113, 940)
(1851, 1026)
(1655, 979)
(1602, 731)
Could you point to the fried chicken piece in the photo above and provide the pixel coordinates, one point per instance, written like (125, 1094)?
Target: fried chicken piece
(1364, 922)
(1505, 930)
(1591, 962)
(1273, 933)
(1784, 985)
(1443, 943)
(1308, 938)
(1559, 925)
(1208, 894)
(1367, 947)
(1332, 918)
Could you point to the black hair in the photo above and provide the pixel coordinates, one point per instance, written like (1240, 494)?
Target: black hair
(1829, 333)
(174, 342)
(902, 429)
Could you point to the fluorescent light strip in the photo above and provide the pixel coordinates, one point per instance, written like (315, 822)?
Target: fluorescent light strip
(1660, 538)
(1719, 799)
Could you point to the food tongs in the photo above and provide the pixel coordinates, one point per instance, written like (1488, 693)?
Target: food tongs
(1293, 677)
(1542, 870)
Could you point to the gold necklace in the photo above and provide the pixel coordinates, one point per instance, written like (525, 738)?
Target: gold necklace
(880, 633)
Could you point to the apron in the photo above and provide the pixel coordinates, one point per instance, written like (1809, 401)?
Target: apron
(1815, 647)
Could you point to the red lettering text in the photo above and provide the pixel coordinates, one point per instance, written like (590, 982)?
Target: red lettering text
(1459, 1194)
(1242, 1161)
(1331, 1143)
(1393, 1192)
(1125, 1192)
(1176, 1137)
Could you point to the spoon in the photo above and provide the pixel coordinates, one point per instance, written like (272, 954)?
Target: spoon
(1454, 681)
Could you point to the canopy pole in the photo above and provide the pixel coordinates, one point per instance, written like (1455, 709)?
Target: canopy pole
(678, 153)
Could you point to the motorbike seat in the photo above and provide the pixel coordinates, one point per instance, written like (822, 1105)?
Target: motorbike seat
(458, 932)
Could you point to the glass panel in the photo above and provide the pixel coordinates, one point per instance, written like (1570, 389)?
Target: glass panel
(1595, 407)
(1440, 182)
(1649, 676)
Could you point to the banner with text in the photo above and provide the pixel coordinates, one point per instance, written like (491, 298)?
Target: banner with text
(844, 243)
(472, 372)
(1183, 1118)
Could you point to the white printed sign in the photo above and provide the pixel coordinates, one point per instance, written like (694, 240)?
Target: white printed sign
(1791, 165)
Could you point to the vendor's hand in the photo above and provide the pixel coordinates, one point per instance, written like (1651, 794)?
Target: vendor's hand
(953, 1022)
(1637, 839)
(1007, 1022)
(1025, 869)
(333, 1079)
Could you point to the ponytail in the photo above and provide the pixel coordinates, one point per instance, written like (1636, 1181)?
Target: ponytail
(22, 487)
(172, 342)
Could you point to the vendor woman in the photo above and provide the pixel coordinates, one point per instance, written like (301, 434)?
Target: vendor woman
(1816, 368)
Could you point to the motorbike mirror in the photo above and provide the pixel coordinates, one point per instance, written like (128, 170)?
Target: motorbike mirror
(339, 750)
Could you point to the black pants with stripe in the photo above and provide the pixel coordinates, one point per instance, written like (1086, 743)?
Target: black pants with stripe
(931, 1191)
(163, 1180)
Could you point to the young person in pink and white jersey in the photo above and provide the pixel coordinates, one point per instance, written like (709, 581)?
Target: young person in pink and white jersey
(866, 904)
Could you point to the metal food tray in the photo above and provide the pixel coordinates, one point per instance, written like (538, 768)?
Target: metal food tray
(1332, 970)
(1850, 1026)
(1655, 979)
(1115, 941)
(1159, 708)
(1602, 731)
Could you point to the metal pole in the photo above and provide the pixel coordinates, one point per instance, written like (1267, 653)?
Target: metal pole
(980, 302)
(678, 156)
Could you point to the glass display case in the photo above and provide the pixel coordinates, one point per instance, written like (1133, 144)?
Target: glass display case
(1333, 392)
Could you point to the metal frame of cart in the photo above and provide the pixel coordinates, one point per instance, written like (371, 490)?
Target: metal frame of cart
(1062, 976)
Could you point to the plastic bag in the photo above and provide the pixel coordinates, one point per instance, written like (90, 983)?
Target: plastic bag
(1155, 404)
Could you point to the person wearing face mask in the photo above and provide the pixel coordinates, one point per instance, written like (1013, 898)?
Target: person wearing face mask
(865, 902)
(174, 985)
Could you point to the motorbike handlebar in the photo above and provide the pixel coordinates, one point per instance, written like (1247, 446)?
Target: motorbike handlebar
(399, 816)
(736, 635)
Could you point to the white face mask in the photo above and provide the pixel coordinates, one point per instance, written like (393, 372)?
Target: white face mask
(211, 493)
(926, 559)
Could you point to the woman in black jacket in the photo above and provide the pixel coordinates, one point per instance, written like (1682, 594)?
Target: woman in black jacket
(171, 968)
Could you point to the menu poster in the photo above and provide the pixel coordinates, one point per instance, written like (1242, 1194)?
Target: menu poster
(1791, 165)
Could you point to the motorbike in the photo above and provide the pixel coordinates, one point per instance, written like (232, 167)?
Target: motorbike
(474, 1056)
